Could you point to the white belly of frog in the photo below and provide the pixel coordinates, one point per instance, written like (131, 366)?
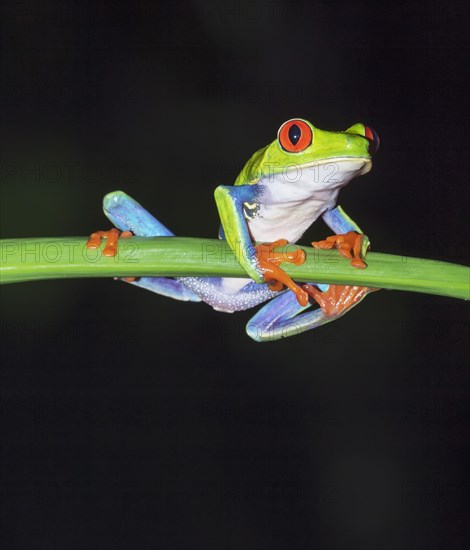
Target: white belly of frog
(293, 200)
(285, 220)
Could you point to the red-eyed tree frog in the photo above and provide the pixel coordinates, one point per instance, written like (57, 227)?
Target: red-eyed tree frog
(280, 192)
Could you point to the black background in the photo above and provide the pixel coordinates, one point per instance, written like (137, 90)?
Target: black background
(133, 421)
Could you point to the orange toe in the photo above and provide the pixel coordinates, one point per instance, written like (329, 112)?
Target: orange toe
(112, 236)
(348, 244)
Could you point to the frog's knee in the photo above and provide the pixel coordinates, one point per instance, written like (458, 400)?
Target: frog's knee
(114, 199)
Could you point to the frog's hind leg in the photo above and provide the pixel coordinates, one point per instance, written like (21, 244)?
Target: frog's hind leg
(283, 317)
(128, 215)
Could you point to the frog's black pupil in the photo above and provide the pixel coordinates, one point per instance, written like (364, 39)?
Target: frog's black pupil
(294, 134)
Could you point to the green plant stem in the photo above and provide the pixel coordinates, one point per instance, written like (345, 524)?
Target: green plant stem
(57, 258)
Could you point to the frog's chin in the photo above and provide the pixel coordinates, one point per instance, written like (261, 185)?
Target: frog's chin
(357, 165)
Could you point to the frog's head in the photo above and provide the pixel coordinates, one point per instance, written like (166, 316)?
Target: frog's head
(323, 159)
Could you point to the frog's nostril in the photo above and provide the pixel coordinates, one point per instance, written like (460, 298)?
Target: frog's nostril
(373, 137)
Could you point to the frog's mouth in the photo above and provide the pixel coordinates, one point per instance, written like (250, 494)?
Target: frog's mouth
(364, 163)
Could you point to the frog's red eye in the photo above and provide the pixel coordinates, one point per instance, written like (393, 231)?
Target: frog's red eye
(373, 137)
(295, 135)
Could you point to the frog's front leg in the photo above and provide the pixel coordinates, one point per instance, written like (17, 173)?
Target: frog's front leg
(351, 243)
(260, 261)
(349, 240)
(132, 219)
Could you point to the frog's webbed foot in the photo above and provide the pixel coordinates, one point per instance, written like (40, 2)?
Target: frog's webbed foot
(338, 298)
(112, 236)
(269, 260)
(350, 245)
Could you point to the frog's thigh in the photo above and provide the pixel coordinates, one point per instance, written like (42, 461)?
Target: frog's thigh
(167, 287)
(283, 317)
